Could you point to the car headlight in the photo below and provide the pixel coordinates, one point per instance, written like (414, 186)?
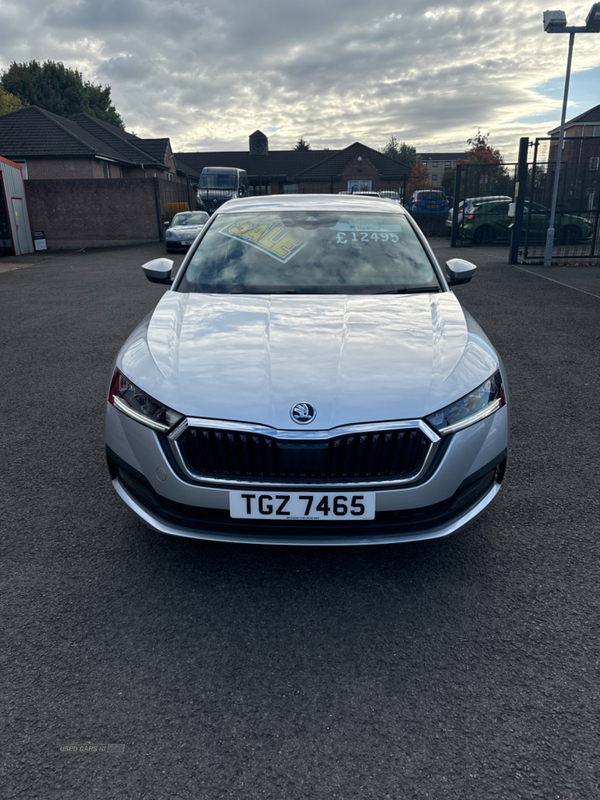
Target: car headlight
(132, 401)
(169, 235)
(472, 408)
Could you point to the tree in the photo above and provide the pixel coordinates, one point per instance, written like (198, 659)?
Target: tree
(419, 178)
(8, 102)
(302, 144)
(57, 88)
(482, 171)
(400, 151)
(481, 152)
(100, 105)
(448, 180)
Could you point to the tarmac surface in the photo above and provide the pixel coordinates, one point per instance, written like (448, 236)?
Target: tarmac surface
(135, 665)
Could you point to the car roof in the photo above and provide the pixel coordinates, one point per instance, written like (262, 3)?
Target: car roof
(222, 169)
(497, 201)
(487, 199)
(310, 202)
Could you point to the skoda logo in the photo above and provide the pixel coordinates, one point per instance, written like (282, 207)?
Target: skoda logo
(303, 413)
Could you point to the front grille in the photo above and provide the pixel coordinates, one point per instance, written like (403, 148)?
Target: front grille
(366, 456)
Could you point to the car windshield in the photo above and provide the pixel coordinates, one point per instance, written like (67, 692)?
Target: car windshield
(219, 180)
(309, 252)
(190, 218)
(430, 196)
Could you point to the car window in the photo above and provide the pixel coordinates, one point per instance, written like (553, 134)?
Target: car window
(219, 180)
(190, 218)
(538, 209)
(308, 252)
(431, 196)
(500, 209)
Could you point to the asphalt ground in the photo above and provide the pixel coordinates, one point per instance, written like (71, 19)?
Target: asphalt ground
(173, 669)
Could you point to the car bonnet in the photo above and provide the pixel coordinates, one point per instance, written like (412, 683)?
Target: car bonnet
(355, 358)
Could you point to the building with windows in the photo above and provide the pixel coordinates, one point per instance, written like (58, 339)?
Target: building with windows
(438, 163)
(579, 188)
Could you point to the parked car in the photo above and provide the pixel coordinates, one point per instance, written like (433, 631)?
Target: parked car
(427, 201)
(309, 378)
(489, 222)
(390, 195)
(471, 202)
(183, 229)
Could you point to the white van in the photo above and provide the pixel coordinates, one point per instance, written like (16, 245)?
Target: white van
(219, 184)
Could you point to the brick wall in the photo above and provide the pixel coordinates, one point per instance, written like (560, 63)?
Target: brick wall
(77, 168)
(96, 213)
(71, 168)
(152, 172)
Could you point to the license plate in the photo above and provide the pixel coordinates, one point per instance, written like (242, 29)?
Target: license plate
(309, 506)
(186, 243)
(431, 205)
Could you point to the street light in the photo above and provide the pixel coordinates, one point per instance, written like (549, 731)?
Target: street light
(556, 22)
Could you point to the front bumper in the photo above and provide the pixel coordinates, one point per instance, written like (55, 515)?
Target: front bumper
(463, 483)
(175, 244)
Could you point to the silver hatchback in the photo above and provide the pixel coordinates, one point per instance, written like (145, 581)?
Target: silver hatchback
(308, 378)
(184, 228)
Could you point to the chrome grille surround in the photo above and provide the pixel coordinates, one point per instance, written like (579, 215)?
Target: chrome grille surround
(285, 439)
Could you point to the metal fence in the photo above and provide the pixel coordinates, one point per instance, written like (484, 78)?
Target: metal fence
(577, 223)
(433, 225)
(480, 204)
(493, 220)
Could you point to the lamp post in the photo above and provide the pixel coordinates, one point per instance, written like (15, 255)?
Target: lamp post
(556, 22)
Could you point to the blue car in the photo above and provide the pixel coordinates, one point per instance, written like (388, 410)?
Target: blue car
(428, 201)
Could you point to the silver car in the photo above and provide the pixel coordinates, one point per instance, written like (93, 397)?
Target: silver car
(184, 228)
(309, 378)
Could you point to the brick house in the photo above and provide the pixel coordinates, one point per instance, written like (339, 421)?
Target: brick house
(580, 161)
(586, 124)
(357, 167)
(46, 146)
(90, 183)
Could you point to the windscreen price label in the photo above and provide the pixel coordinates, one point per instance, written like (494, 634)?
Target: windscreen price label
(364, 236)
(309, 506)
(349, 232)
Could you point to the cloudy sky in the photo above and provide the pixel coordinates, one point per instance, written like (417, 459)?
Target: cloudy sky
(208, 74)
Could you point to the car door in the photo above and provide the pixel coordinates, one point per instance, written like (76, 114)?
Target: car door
(540, 219)
(499, 219)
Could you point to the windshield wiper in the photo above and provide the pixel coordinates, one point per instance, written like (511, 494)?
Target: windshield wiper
(415, 290)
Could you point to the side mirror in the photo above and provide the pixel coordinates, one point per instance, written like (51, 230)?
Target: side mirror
(459, 271)
(167, 222)
(159, 270)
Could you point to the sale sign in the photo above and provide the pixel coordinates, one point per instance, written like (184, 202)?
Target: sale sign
(270, 237)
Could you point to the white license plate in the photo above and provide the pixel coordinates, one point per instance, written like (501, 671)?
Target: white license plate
(309, 506)
(185, 243)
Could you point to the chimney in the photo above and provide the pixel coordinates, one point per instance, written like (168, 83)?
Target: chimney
(259, 144)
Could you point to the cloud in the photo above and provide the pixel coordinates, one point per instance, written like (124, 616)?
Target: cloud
(207, 75)
(95, 15)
